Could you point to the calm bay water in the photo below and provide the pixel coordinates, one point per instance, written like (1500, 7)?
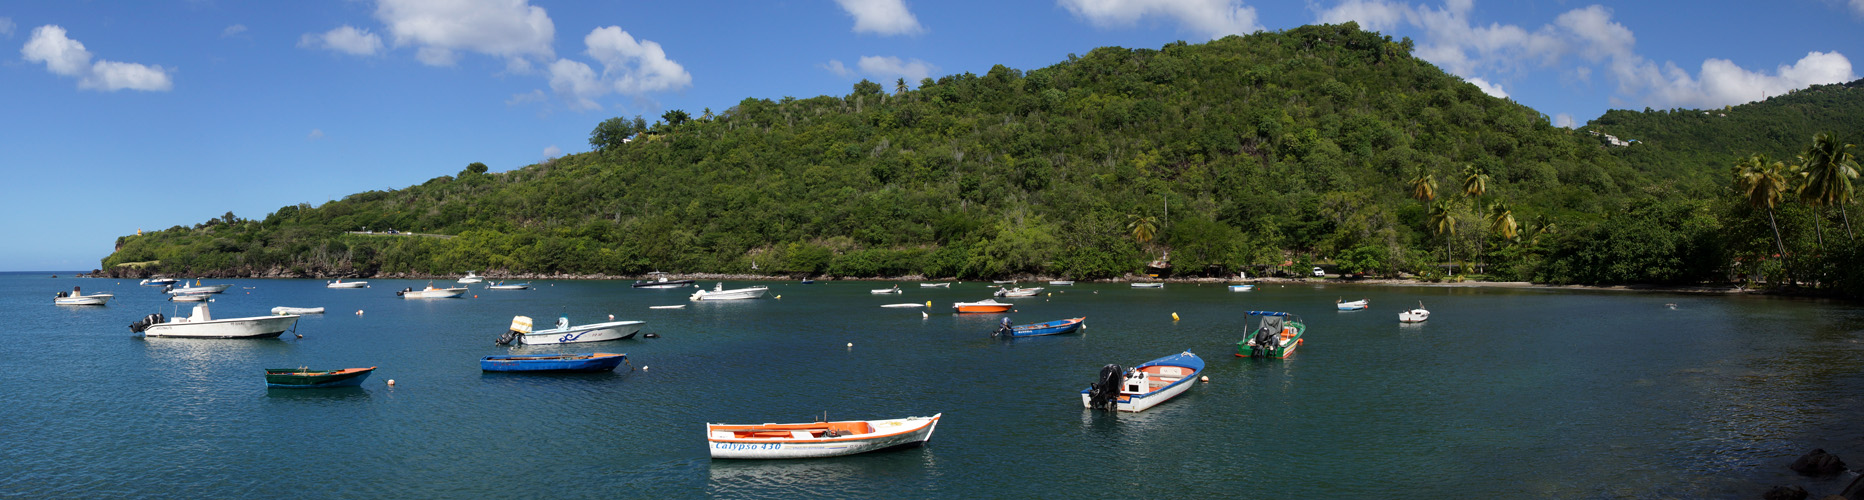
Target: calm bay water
(1503, 393)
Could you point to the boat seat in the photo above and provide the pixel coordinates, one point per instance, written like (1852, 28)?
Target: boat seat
(802, 435)
(722, 435)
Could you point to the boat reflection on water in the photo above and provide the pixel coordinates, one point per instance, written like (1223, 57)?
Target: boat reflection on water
(835, 477)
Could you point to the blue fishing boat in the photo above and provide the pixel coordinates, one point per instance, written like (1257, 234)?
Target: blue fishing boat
(593, 362)
(1056, 327)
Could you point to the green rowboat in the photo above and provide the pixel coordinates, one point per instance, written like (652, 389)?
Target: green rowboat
(304, 378)
(1277, 336)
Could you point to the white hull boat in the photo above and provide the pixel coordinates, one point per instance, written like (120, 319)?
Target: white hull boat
(346, 284)
(1418, 315)
(188, 298)
(1062, 283)
(1354, 305)
(681, 306)
(720, 293)
(1148, 285)
(75, 299)
(909, 304)
(881, 291)
(935, 285)
(818, 439)
(202, 325)
(199, 290)
(502, 286)
(283, 310)
(159, 281)
(1018, 292)
(1145, 385)
(471, 278)
(521, 333)
(1004, 282)
(432, 293)
(1242, 288)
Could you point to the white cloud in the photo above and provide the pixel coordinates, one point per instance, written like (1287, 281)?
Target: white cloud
(1488, 88)
(346, 39)
(67, 57)
(884, 17)
(6, 26)
(1372, 15)
(439, 29)
(1857, 7)
(1721, 82)
(316, 133)
(888, 68)
(1563, 120)
(552, 152)
(233, 30)
(535, 95)
(1212, 18)
(835, 66)
(629, 66)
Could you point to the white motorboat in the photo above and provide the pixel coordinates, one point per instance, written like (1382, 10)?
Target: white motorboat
(935, 285)
(284, 310)
(681, 306)
(720, 293)
(198, 289)
(339, 283)
(1242, 288)
(471, 278)
(1148, 285)
(658, 280)
(908, 304)
(202, 325)
(159, 281)
(502, 286)
(1418, 315)
(77, 298)
(521, 333)
(431, 293)
(1354, 305)
(818, 439)
(1062, 283)
(1004, 282)
(878, 291)
(189, 298)
(1018, 292)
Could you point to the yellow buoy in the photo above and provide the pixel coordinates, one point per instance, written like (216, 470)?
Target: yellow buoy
(779, 296)
(928, 303)
(1174, 316)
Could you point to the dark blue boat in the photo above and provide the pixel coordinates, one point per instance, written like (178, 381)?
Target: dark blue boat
(1056, 327)
(593, 362)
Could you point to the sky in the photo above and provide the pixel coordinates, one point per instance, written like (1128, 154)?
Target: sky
(119, 116)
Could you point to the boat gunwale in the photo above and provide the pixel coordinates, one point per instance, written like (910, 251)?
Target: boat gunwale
(710, 428)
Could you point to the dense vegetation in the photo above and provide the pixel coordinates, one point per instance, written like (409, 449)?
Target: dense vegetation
(1321, 144)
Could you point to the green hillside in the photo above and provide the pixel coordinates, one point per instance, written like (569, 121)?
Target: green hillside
(1306, 145)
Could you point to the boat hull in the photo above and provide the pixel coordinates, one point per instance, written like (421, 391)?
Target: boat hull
(895, 433)
(1242, 288)
(84, 300)
(1148, 285)
(663, 284)
(347, 284)
(935, 285)
(1131, 402)
(595, 362)
(282, 310)
(598, 332)
(1289, 340)
(988, 306)
(737, 294)
(1414, 316)
(437, 293)
(1056, 327)
(1062, 283)
(234, 328)
(293, 378)
(200, 290)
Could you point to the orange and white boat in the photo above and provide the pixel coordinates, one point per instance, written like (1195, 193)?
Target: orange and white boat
(982, 306)
(818, 439)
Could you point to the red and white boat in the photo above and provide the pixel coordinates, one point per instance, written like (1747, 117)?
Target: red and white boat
(817, 439)
(982, 306)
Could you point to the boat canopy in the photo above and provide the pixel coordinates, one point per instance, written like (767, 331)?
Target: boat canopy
(1271, 324)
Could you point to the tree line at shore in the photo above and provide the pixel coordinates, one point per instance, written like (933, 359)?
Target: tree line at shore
(1320, 144)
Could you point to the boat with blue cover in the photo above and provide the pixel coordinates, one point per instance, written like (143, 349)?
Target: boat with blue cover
(1276, 337)
(1143, 386)
(592, 362)
(1056, 327)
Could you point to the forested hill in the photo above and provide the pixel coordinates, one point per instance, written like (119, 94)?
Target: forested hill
(1316, 144)
(1704, 143)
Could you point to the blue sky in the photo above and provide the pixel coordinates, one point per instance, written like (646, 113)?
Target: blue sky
(127, 115)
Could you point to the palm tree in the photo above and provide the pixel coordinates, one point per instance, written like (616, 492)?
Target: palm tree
(1143, 227)
(1828, 166)
(1543, 224)
(1424, 186)
(1442, 223)
(1763, 185)
(899, 87)
(1475, 180)
(1501, 221)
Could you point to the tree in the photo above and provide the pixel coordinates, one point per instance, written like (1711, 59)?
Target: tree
(1143, 227)
(1762, 184)
(1502, 221)
(675, 117)
(899, 87)
(1424, 186)
(707, 115)
(1475, 180)
(865, 87)
(1543, 224)
(612, 132)
(474, 168)
(1828, 166)
(1443, 224)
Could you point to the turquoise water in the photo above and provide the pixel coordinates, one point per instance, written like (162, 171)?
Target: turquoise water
(1503, 393)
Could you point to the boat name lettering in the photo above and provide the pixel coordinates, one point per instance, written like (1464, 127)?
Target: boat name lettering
(748, 446)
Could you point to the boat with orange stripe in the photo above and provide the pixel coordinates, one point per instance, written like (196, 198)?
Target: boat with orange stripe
(817, 439)
(1277, 336)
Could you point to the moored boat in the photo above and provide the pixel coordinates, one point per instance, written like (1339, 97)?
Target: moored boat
(159, 281)
(201, 324)
(659, 279)
(283, 310)
(817, 439)
(1148, 285)
(471, 278)
(1056, 327)
(720, 293)
(935, 285)
(1242, 288)
(76, 297)
(982, 306)
(1017, 292)
(1004, 282)
(431, 293)
(339, 283)
(1354, 305)
(1418, 315)
(592, 362)
(197, 289)
(521, 333)
(680, 306)
(1143, 386)
(879, 291)
(1276, 336)
(908, 304)
(503, 286)
(304, 378)
(1062, 283)
(188, 298)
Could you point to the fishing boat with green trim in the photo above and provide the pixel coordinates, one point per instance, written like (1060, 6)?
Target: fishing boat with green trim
(1276, 337)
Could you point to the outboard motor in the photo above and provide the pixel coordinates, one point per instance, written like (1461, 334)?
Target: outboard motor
(168, 288)
(1105, 393)
(1004, 330)
(507, 338)
(63, 294)
(1265, 342)
(404, 291)
(145, 323)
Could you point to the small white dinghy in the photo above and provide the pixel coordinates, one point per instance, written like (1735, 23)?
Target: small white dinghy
(282, 310)
(818, 439)
(1418, 315)
(681, 306)
(914, 304)
(339, 283)
(880, 291)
